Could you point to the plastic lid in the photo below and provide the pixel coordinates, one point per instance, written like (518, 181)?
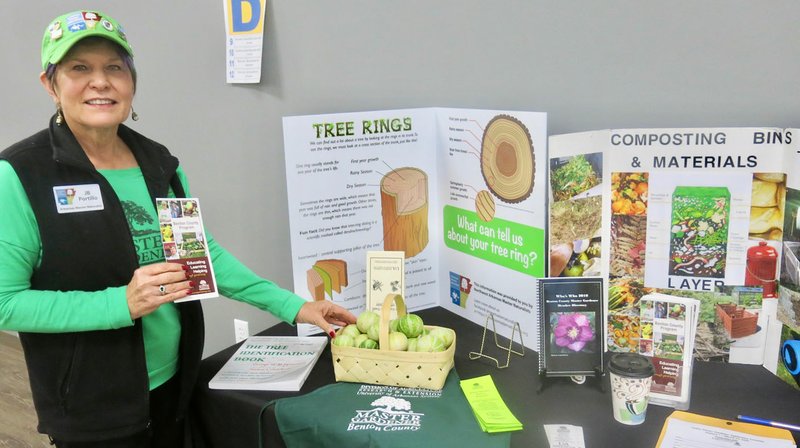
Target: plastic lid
(632, 365)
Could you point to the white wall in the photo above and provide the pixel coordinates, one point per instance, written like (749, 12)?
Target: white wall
(589, 64)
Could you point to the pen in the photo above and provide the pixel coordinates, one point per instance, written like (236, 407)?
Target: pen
(762, 421)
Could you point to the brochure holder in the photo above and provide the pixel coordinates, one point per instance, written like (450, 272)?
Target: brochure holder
(509, 350)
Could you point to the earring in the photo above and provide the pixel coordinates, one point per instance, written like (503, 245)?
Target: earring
(59, 117)
(134, 115)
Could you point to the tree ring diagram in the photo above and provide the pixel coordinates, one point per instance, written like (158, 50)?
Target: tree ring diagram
(507, 161)
(484, 206)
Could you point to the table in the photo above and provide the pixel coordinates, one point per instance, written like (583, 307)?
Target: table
(232, 418)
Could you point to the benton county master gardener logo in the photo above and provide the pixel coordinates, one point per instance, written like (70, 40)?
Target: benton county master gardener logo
(389, 414)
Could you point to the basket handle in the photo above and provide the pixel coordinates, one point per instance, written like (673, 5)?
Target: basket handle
(386, 312)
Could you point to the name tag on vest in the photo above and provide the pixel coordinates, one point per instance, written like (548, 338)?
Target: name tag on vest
(78, 198)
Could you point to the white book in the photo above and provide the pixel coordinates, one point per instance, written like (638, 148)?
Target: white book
(270, 363)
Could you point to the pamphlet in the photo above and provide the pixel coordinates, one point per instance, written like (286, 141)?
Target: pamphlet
(571, 325)
(184, 240)
(491, 411)
(564, 436)
(385, 275)
(669, 325)
(270, 363)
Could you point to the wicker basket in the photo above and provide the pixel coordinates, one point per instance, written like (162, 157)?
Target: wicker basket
(389, 367)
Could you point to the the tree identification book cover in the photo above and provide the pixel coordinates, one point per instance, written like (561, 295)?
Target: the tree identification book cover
(571, 322)
(270, 363)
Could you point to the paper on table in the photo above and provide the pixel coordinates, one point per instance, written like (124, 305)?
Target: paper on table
(488, 406)
(687, 430)
(564, 436)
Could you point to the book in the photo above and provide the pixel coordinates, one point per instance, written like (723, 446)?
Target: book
(571, 325)
(184, 240)
(279, 363)
(668, 329)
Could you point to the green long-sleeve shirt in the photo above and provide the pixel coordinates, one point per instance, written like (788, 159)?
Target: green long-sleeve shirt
(28, 310)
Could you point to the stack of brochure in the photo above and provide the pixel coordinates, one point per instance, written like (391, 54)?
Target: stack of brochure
(488, 406)
(668, 329)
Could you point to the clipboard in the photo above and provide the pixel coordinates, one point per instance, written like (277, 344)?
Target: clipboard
(709, 424)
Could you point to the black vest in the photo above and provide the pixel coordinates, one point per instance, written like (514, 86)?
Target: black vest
(93, 385)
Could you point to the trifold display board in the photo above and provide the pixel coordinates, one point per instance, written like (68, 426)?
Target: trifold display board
(699, 213)
(461, 192)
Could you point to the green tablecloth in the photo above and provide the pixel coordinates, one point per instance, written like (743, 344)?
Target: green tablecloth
(359, 415)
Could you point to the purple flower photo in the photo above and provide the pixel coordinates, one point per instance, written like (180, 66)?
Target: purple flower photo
(572, 332)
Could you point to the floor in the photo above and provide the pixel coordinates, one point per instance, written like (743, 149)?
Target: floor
(17, 417)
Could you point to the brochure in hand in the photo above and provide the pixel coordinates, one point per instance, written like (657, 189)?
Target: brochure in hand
(184, 240)
(270, 363)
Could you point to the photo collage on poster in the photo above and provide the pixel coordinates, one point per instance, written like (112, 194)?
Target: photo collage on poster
(693, 213)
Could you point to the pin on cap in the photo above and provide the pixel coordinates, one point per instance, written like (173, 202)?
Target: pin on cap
(68, 29)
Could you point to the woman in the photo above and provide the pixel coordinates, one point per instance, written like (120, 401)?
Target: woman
(112, 360)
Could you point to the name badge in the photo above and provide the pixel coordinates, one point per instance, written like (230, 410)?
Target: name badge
(78, 198)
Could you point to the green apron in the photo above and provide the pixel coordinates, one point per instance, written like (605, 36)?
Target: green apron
(360, 415)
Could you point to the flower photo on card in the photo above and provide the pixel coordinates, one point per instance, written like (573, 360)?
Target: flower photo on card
(573, 332)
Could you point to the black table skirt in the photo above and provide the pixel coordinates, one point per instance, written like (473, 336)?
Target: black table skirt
(235, 419)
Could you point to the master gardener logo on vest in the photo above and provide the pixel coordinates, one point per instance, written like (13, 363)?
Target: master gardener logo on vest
(389, 414)
(145, 232)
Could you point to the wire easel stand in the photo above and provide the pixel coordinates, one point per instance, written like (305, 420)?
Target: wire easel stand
(509, 350)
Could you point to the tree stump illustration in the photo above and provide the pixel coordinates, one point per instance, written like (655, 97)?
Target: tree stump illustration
(507, 161)
(404, 207)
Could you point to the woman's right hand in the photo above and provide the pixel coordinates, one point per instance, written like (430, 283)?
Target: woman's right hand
(144, 292)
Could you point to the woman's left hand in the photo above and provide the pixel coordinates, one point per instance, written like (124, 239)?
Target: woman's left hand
(324, 313)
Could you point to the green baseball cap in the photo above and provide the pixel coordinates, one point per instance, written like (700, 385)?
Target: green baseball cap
(67, 30)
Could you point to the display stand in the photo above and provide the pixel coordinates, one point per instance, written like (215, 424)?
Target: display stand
(598, 378)
(509, 350)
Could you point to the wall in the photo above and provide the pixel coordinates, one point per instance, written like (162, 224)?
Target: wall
(589, 64)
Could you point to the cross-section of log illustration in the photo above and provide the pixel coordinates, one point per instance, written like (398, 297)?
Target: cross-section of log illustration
(337, 269)
(404, 207)
(316, 286)
(507, 161)
(484, 206)
(326, 276)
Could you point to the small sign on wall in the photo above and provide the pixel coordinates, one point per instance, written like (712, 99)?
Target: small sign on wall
(244, 36)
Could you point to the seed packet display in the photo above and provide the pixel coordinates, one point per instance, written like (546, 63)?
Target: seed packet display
(184, 240)
(571, 325)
